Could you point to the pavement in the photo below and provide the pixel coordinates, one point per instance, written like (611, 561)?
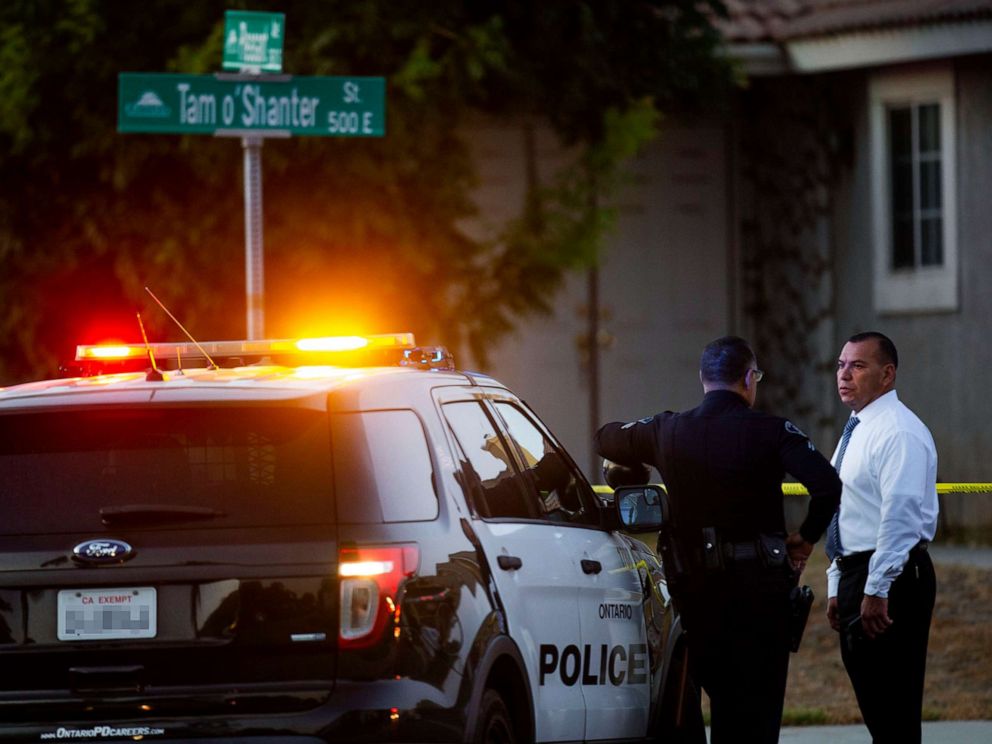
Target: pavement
(934, 732)
(980, 557)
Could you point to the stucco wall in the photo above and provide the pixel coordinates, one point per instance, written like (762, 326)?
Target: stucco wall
(664, 284)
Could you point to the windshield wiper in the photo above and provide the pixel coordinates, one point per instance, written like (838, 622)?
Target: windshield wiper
(156, 513)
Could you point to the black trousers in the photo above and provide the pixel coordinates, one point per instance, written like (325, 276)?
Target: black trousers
(738, 641)
(887, 672)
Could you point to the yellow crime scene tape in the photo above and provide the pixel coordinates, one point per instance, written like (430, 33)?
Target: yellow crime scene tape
(798, 489)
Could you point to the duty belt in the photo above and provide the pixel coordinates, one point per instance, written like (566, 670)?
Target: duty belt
(740, 552)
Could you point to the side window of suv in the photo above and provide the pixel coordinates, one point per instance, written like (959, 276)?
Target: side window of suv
(382, 468)
(563, 494)
(492, 481)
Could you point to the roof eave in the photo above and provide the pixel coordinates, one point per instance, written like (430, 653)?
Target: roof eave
(759, 59)
(888, 46)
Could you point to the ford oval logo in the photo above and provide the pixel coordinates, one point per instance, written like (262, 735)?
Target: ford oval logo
(103, 551)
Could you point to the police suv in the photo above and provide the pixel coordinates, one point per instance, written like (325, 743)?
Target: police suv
(334, 539)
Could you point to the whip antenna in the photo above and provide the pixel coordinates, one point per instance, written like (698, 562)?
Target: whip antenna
(183, 329)
(154, 374)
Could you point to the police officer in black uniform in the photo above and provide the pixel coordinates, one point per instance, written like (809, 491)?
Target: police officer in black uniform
(731, 565)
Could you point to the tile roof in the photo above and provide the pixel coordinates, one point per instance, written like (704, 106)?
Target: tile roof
(755, 21)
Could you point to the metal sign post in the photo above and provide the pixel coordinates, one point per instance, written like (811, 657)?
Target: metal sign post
(254, 248)
(253, 44)
(253, 107)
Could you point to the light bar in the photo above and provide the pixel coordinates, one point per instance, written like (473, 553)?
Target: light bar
(365, 568)
(221, 349)
(332, 343)
(116, 351)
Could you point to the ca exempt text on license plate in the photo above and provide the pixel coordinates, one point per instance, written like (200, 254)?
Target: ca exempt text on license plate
(106, 614)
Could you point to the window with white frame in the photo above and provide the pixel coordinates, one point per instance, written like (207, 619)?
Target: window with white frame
(913, 189)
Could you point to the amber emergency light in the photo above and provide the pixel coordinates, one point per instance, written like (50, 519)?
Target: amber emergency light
(227, 349)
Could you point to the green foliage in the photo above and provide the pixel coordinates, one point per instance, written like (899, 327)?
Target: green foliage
(804, 717)
(364, 234)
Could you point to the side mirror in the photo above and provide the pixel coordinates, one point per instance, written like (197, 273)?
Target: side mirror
(640, 508)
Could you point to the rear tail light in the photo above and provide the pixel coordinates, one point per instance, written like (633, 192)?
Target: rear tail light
(370, 580)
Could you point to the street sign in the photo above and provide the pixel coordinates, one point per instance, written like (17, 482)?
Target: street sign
(253, 41)
(251, 105)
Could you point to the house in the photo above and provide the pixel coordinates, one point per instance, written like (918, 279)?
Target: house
(849, 188)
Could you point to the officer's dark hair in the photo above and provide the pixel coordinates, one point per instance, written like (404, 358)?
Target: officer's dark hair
(886, 349)
(726, 360)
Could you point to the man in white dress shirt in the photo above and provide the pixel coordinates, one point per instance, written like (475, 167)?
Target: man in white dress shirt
(881, 584)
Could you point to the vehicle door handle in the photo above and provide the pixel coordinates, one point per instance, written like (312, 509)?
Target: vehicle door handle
(591, 567)
(509, 562)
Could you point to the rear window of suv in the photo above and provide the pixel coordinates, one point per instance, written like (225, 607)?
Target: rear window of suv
(382, 468)
(226, 467)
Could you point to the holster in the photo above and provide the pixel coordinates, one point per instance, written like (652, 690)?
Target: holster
(800, 601)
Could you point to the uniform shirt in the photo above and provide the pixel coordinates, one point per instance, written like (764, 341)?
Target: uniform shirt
(726, 465)
(889, 502)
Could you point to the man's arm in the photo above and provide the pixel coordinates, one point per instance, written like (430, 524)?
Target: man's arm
(628, 444)
(903, 481)
(801, 460)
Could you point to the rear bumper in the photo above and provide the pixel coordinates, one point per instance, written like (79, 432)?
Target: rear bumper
(374, 711)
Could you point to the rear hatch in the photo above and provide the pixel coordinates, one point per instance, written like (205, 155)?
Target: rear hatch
(165, 559)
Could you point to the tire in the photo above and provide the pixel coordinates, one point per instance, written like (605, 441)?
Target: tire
(683, 726)
(495, 724)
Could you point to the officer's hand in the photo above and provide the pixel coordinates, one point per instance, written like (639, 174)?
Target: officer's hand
(875, 615)
(799, 551)
(833, 614)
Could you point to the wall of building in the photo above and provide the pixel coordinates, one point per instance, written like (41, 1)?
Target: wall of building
(944, 357)
(665, 283)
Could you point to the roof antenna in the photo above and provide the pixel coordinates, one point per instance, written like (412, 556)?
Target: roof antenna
(203, 351)
(154, 374)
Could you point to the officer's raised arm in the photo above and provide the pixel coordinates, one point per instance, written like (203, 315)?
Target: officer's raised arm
(802, 461)
(629, 444)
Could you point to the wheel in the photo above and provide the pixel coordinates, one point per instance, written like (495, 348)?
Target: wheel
(495, 724)
(680, 711)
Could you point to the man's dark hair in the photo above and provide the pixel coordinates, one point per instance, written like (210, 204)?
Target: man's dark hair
(726, 360)
(886, 349)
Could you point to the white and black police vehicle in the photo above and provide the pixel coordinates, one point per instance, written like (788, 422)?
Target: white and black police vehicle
(332, 539)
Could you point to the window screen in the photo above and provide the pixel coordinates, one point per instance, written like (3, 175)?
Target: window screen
(382, 468)
(915, 181)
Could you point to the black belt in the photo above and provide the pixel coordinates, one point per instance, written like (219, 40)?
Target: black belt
(740, 551)
(855, 561)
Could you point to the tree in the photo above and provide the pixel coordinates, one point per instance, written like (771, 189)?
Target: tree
(363, 234)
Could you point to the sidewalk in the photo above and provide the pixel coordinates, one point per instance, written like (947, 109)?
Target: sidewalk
(936, 732)
(980, 557)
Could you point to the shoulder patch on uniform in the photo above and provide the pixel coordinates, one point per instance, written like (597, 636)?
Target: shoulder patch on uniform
(793, 429)
(647, 420)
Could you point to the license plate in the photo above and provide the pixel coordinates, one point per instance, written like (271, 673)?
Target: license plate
(106, 614)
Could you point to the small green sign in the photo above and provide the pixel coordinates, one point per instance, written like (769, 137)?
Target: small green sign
(253, 41)
(276, 106)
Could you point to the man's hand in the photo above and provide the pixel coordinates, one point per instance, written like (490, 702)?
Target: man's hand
(833, 614)
(799, 551)
(875, 615)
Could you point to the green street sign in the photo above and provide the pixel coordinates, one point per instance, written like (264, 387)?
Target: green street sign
(261, 105)
(253, 41)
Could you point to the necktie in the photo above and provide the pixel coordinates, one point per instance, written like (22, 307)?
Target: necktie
(833, 531)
